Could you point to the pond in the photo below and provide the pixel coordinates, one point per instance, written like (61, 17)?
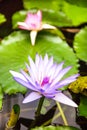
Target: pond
(27, 112)
(40, 41)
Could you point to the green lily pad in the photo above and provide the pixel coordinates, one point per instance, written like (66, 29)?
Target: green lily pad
(2, 18)
(19, 16)
(82, 3)
(16, 48)
(1, 97)
(56, 128)
(80, 44)
(41, 4)
(83, 106)
(76, 14)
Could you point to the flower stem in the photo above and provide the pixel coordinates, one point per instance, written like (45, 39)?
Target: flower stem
(37, 113)
(62, 113)
(51, 120)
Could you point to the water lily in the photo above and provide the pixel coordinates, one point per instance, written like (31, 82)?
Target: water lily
(33, 23)
(44, 78)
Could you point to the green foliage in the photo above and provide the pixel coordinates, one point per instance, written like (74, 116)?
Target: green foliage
(2, 18)
(38, 4)
(1, 97)
(16, 48)
(75, 14)
(83, 106)
(18, 17)
(55, 128)
(82, 3)
(80, 44)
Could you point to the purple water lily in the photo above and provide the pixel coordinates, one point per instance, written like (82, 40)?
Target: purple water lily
(44, 79)
(33, 23)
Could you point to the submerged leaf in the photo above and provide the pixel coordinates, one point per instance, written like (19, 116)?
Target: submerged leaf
(79, 86)
(46, 104)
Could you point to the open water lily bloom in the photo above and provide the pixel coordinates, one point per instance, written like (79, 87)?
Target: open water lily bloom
(44, 78)
(33, 23)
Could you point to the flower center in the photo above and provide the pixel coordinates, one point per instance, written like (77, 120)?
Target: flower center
(45, 81)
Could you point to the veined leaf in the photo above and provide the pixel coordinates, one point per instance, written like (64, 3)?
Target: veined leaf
(80, 44)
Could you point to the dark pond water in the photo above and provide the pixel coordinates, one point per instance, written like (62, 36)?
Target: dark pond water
(28, 110)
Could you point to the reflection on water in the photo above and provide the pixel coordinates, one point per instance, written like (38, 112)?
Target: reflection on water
(28, 110)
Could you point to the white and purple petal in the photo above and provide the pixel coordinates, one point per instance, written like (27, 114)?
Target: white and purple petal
(37, 60)
(66, 81)
(60, 97)
(32, 97)
(28, 78)
(18, 75)
(44, 78)
(32, 69)
(60, 75)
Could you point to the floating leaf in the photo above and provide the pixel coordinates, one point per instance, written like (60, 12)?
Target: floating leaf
(19, 16)
(83, 106)
(16, 48)
(82, 3)
(80, 44)
(41, 4)
(79, 86)
(1, 97)
(76, 14)
(55, 128)
(2, 18)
